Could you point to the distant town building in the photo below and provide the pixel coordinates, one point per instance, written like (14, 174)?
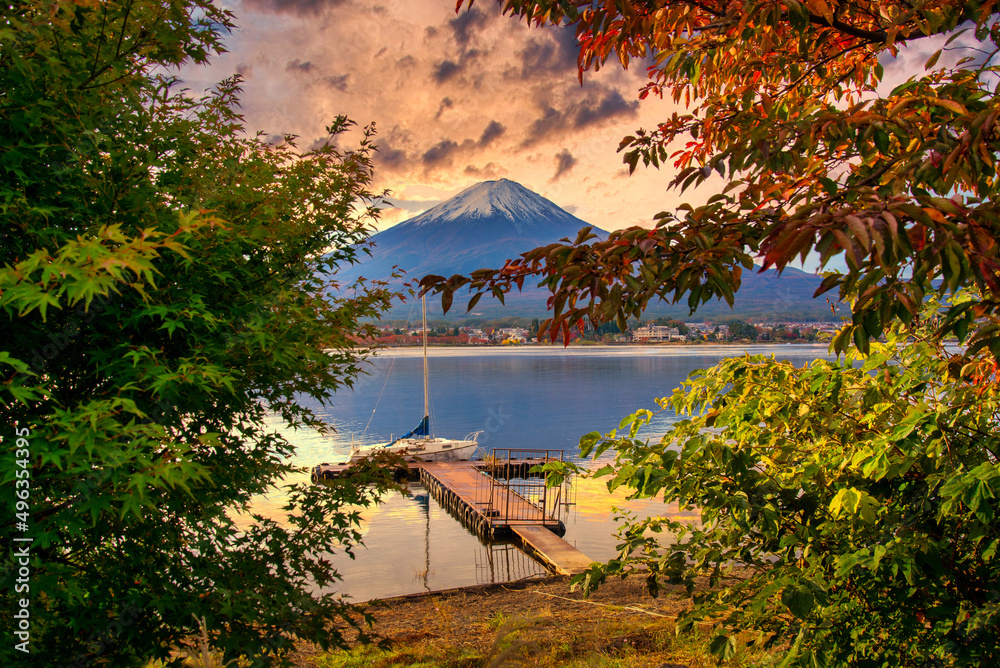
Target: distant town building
(655, 334)
(513, 334)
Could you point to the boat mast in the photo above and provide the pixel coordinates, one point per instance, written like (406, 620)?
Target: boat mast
(423, 310)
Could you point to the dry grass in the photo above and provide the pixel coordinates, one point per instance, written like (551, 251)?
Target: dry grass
(536, 622)
(533, 623)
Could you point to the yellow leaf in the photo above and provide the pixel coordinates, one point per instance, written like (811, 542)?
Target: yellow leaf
(950, 105)
(932, 60)
(822, 8)
(858, 228)
(935, 215)
(900, 106)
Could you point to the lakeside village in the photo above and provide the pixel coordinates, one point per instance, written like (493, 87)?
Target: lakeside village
(512, 331)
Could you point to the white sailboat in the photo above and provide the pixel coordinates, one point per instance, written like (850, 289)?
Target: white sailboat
(418, 443)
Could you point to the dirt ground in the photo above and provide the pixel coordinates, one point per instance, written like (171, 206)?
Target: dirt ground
(526, 598)
(538, 618)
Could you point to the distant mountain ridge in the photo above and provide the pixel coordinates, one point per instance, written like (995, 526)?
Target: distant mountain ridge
(492, 221)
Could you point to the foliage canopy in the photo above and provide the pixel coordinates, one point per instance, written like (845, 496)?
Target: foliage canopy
(785, 102)
(848, 509)
(166, 302)
(855, 498)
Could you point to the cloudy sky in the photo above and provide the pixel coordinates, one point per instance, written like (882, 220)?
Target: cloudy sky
(456, 98)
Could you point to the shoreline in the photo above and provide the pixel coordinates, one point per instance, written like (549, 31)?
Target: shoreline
(636, 349)
(661, 344)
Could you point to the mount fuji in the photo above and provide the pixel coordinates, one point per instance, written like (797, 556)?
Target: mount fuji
(493, 221)
(480, 227)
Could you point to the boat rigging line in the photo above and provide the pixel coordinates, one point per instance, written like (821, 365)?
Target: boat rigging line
(388, 373)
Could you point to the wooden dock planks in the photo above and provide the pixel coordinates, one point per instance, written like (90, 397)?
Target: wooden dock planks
(462, 487)
(470, 486)
(551, 549)
(463, 478)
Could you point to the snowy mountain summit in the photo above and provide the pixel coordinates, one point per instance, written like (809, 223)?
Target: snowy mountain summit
(481, 227)
(501, 201)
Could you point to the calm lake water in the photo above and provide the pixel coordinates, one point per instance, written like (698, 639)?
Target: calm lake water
(525, 397)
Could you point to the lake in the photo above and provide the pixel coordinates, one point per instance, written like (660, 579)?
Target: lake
(519, 397)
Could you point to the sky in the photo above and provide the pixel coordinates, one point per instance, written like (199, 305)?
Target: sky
(456, 98)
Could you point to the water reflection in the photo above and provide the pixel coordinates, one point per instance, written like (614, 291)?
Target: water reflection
(412, 544)
(522, 398)
(592, 521)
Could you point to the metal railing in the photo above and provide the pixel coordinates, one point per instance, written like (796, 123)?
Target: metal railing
(513, 494)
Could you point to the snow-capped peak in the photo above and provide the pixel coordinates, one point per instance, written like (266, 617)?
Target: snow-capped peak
(491, 199)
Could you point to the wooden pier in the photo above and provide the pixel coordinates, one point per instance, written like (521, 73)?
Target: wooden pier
(473, 496)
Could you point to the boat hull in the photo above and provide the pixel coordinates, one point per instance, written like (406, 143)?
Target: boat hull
(421, 449)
